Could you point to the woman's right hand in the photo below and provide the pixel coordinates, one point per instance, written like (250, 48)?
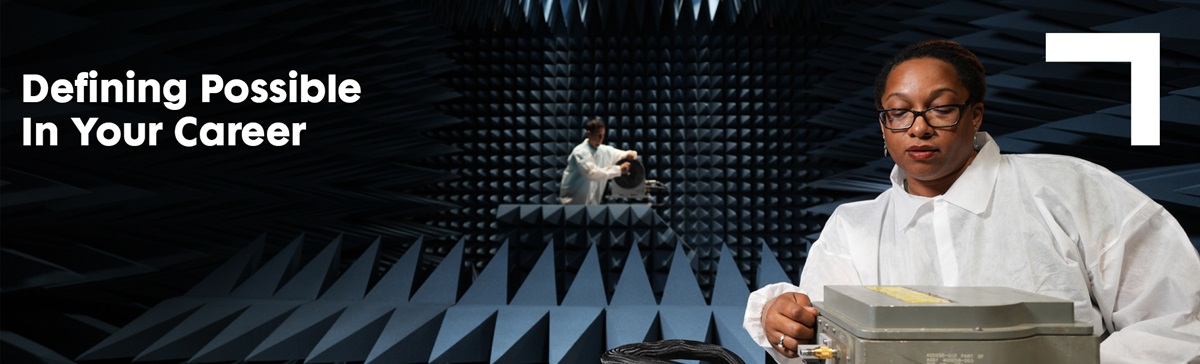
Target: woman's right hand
(789, 316)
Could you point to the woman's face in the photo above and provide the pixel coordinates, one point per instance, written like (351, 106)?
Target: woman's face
(925, 153)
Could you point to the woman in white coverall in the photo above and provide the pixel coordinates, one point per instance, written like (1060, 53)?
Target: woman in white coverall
(959, 213)
(590, 165)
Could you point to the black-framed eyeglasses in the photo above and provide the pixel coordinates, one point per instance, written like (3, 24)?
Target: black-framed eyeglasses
(943, 116)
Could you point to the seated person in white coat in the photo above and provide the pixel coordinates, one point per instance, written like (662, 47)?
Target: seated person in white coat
(590, 165)
(959, 213)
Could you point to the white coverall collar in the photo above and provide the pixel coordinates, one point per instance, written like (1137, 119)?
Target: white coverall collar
(973, 189)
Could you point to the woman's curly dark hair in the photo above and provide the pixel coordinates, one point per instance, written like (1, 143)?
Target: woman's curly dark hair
(969, 69)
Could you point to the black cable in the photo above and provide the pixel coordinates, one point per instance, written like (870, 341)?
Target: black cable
(660, 352)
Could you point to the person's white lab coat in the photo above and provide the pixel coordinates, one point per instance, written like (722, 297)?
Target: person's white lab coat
(587, 171)
(1055, 225)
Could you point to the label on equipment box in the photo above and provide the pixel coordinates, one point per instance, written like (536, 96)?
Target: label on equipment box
(907, 295)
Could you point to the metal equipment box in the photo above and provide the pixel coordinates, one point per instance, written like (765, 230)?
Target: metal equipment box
(951, 325)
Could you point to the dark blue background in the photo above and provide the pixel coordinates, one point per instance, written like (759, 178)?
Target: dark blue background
(758, 116)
